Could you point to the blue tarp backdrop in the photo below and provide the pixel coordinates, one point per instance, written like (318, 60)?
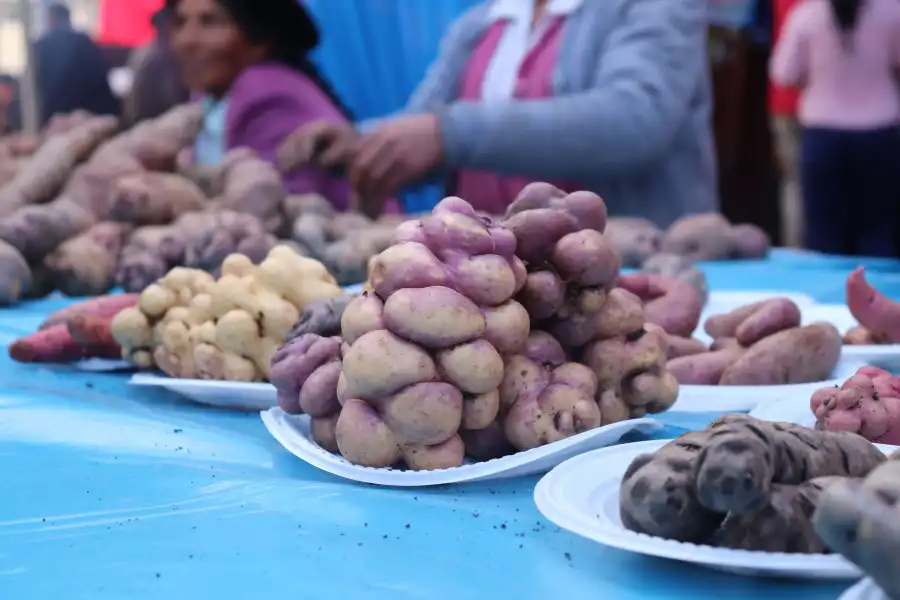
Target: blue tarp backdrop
(376, 51)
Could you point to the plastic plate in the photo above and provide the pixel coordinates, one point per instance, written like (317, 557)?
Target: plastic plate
(293, 432)
(224, 394)
(582, 496)
(886, 356)
(864, 590)
(742, 398)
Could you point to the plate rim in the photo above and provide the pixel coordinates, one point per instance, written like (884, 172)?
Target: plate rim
(273, 418)
(709, 556)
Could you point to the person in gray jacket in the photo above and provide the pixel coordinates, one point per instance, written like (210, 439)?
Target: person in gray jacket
(612, 96)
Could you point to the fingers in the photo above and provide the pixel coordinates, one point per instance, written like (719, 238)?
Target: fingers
(315, 143)
(373, 159)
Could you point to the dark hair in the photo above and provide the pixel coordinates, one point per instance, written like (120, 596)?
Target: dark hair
(59, 13)
(289, 30)
(846, 14)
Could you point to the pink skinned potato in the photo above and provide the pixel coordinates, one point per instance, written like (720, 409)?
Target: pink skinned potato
(454, 248)
(672, 304)
(434, 317)
(749, 241)
(703, 369)
(798, 355)
(541, 215)
(544, 349)
(543, 294)
(873, 310)
(867, 404)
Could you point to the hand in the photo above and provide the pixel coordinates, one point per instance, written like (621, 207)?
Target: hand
(325, 144)
(396, 154)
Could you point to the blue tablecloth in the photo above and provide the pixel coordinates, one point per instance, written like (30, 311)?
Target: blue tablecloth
(114, 493)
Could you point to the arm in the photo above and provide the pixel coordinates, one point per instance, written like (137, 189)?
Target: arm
(262, 122)
(789, 63)
(439, 86)
(650, 70)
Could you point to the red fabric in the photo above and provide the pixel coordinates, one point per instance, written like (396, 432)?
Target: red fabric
(782, 100)
(127, 22)
(488, 191)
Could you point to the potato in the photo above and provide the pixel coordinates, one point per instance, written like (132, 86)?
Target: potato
(446, 455)
(379, 364)
(424, 413)
(672, 304)
(586, 257)
(15, 276)
(703, 369)
(634, 239)
(363, 438)
(798, 355)
(474, 367)
(362, 315)
(552, 414)
(543, 294)
(433, 317)
(544, 349)
(507, 327)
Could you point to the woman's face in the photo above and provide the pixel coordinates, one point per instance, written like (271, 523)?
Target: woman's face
(210, 47)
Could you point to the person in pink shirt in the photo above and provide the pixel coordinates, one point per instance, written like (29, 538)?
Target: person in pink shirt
(845, 56)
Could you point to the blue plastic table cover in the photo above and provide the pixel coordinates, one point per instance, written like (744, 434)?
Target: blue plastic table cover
(111, 493)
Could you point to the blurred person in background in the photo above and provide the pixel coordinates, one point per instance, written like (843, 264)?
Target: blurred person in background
(72, 73)
(612, 96)
(156, 84)
(7, 97)
(845, 56)
(783, 103)
(249, 59)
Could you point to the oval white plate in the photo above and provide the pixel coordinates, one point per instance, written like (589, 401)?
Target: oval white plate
(864, 590)
(225, 394)
(789, 408)
(582, 495)
(741, 398)
(886, 356)
(293, 432)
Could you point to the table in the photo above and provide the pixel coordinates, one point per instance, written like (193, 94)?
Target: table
(111, 493)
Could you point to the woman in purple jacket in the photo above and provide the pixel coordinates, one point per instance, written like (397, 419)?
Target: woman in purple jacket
(248, 58)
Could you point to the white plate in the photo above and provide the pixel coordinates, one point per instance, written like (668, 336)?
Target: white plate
(864, 590)
(789, 408)
(103, 365)
(582, 495)
(886, 356)
(741, 398)
(294, 434)
(226, 394)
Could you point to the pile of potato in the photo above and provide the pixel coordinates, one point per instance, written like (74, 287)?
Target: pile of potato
(702, 237)
(759, 344)
(85, 207)
(190, 324)
(478, 337)
(344, 242)
(747, 484)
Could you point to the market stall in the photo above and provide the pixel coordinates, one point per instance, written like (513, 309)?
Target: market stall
(137, 492)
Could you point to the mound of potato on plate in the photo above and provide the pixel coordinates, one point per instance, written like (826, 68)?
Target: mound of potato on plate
(745, 484)
(759, 344)
(478, 337)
